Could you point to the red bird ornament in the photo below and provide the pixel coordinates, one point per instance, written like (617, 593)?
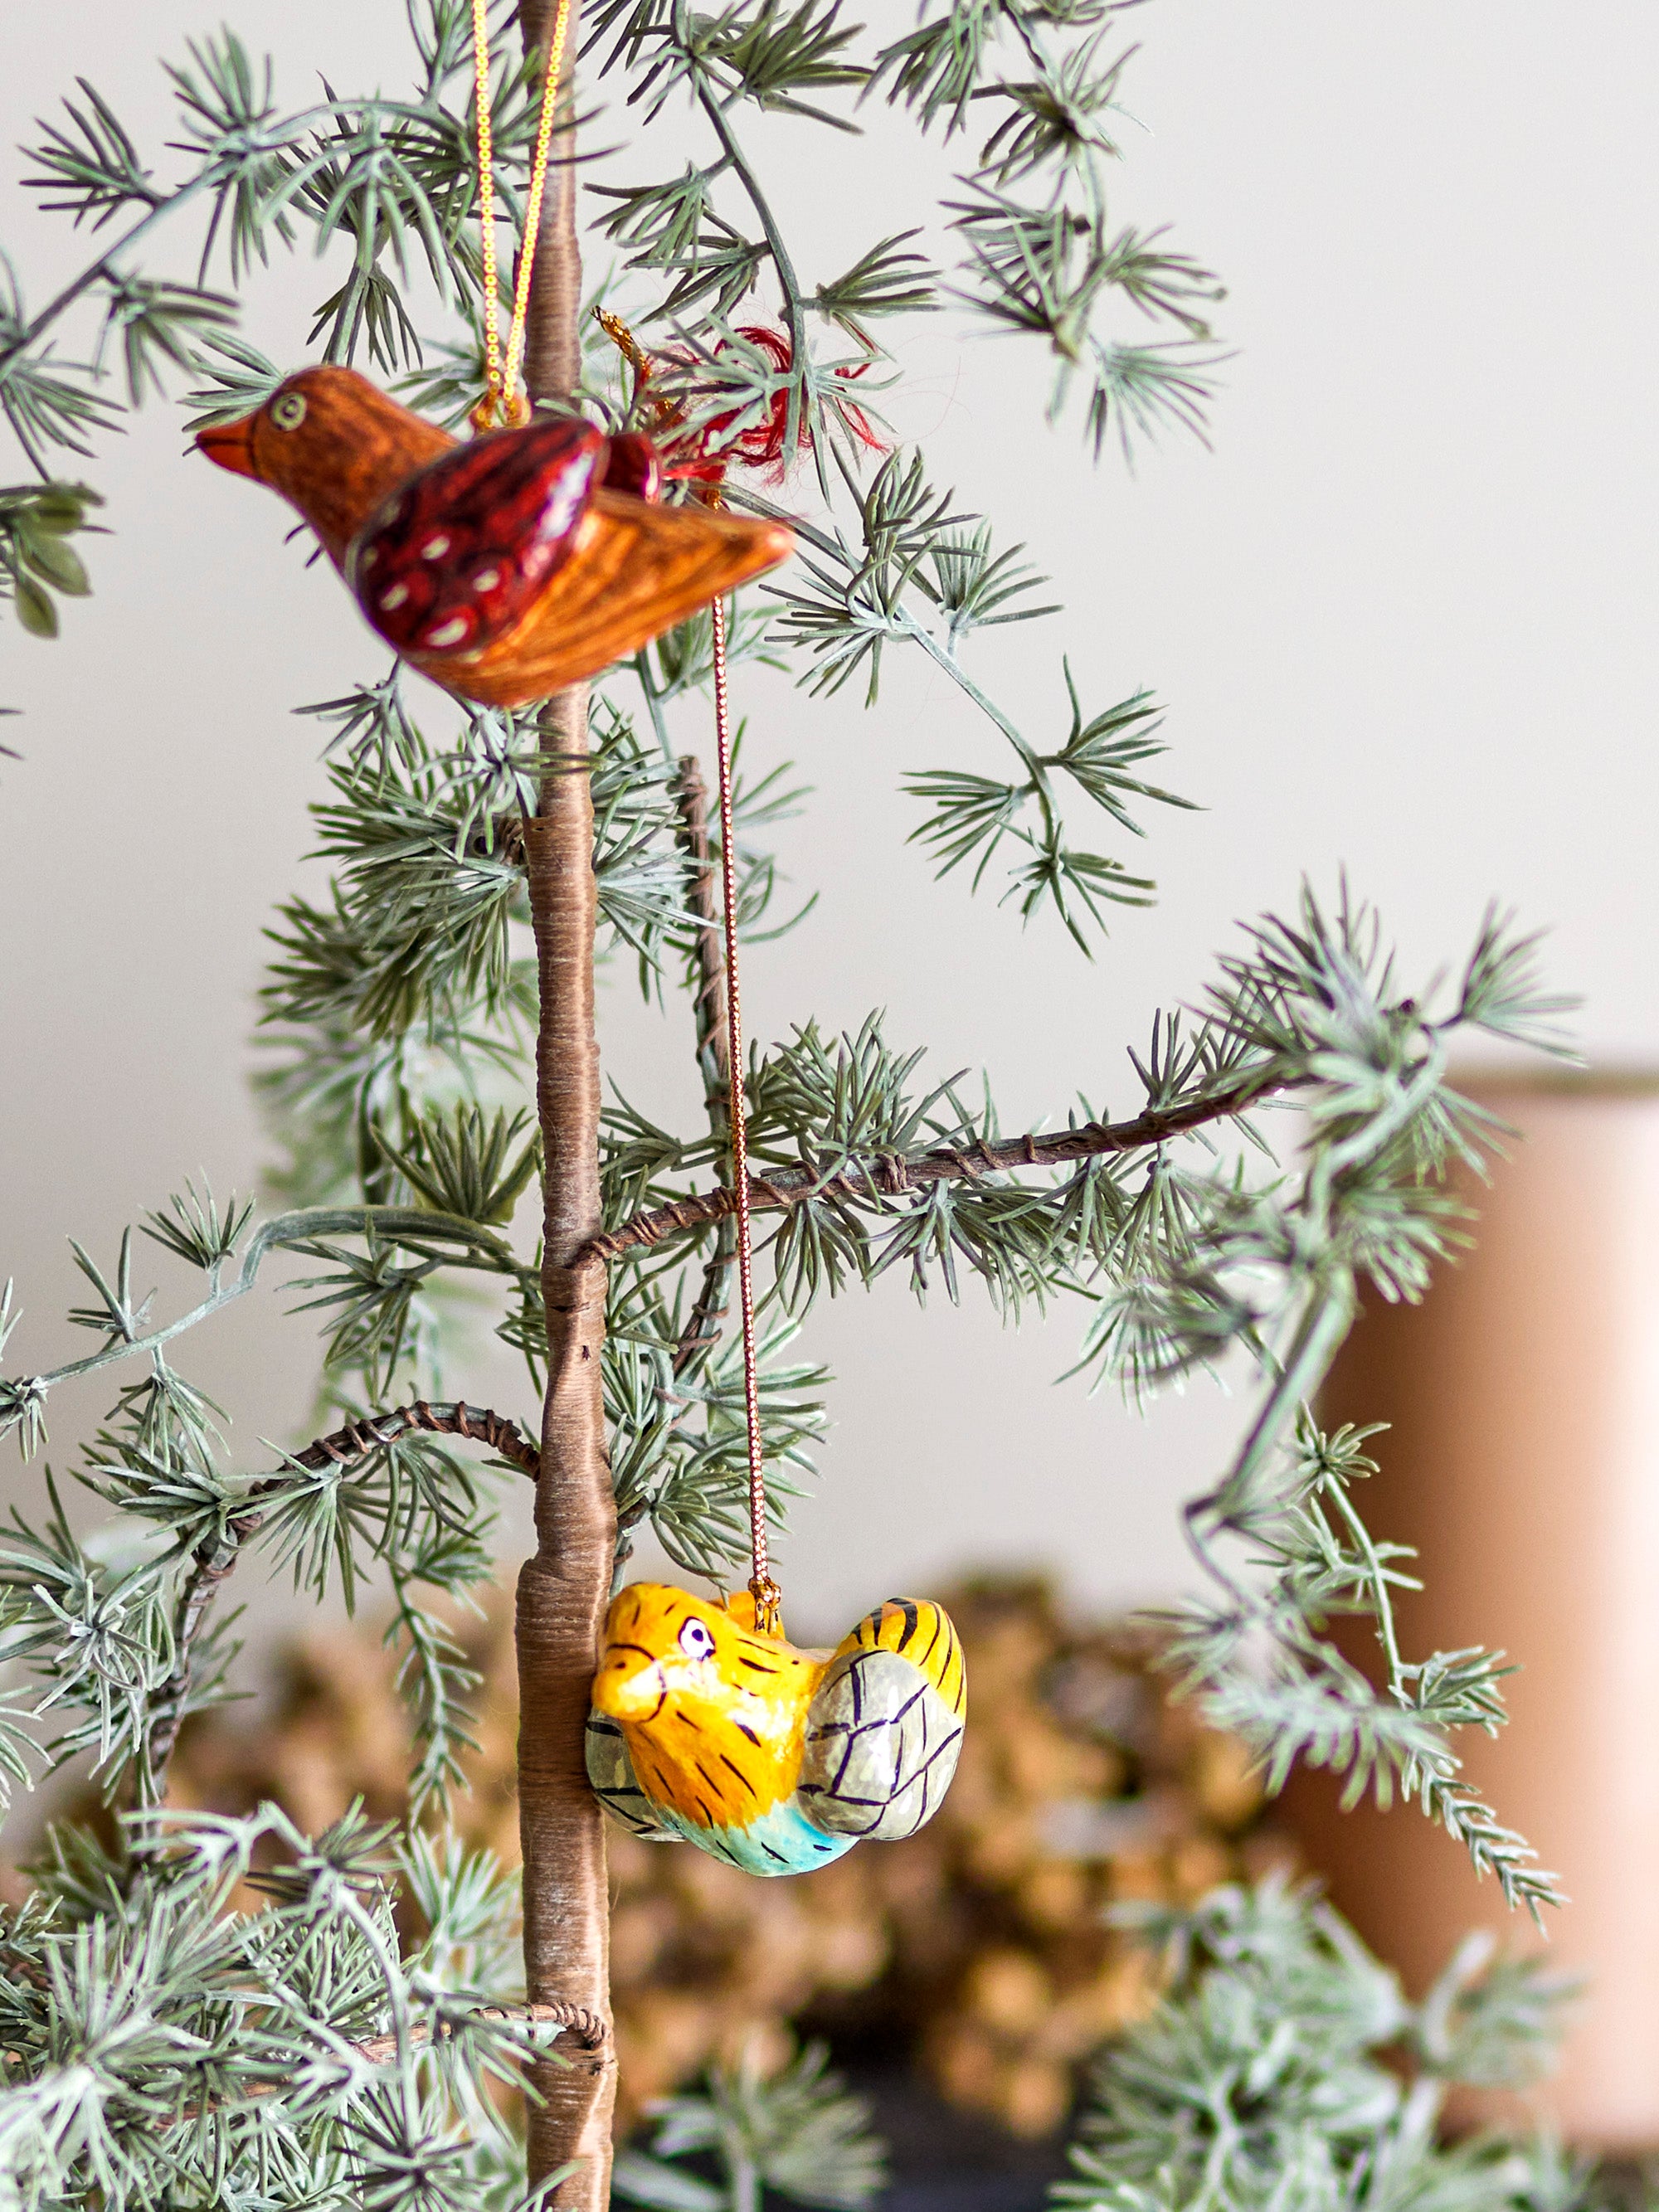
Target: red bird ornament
(504, 567)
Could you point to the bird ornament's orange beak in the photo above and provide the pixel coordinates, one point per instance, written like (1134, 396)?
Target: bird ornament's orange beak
(231, 445)
(506, 567)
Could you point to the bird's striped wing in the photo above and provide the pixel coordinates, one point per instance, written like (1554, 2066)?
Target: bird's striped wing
(457, 555)
(633, 570)
(610, 1772)
(884, 1730)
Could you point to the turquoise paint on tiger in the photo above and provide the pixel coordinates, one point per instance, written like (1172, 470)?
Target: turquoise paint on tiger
(770, 1758)
(782, 1841)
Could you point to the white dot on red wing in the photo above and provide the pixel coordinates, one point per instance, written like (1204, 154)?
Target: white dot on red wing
(393, 598)
(449, 633)
(371, 557)
(486, 580)
(435, 548)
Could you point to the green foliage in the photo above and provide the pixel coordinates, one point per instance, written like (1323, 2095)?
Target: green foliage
(1178, 1262)
(464, 1164)
(680, 1456)
(795, 2131)
(36, 559)
(973, 814)
(1369, 1070)
(1285, 2068)
(290, 2055)
(114, 1642)
(395, 181)
(155, 323)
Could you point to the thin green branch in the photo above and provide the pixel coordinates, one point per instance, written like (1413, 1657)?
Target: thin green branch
(396, 1223)
(90, 274)
(273, 136)
(910, 625)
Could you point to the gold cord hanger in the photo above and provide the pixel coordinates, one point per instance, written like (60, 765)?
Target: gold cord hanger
(768, 1598)
(500, 399)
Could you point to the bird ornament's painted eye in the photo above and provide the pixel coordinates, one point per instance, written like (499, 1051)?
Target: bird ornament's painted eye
(287, 409)
(695, 1641)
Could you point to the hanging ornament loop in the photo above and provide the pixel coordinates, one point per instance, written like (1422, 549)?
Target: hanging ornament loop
(768, 1598)
(502, 401)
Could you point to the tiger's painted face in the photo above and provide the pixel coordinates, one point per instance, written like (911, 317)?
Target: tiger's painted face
(713, 1714)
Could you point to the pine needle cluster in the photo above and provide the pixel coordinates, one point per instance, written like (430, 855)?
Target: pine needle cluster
(1286, 2069)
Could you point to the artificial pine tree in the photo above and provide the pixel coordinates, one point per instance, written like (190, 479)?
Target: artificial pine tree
(345, 2044)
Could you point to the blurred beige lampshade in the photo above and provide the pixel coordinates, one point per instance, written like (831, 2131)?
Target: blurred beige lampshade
(1522, 1461)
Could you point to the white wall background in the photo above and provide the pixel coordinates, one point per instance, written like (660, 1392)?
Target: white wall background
(1402, 615)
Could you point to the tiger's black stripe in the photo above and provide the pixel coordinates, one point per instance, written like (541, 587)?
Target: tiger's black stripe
(738, 1771)
(894, 1626)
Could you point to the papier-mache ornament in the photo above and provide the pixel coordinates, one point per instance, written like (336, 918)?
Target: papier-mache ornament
(505, 567)
(708, 1730)
(529, 558)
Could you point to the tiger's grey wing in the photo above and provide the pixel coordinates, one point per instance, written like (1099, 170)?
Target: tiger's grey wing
(611, 1773)
(881, 1745)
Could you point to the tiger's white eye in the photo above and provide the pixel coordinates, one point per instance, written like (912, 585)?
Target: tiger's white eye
(695, 1641)
(287, 410)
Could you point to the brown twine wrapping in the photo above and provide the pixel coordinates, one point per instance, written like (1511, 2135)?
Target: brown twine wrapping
(563, 1591)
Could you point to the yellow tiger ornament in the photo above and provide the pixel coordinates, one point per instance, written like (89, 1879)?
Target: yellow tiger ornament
(706, 1729)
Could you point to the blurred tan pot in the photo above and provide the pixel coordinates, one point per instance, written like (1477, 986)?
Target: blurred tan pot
(1522, 1461)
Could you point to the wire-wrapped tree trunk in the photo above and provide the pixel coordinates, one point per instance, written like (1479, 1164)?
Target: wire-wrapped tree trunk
(563, 1589)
